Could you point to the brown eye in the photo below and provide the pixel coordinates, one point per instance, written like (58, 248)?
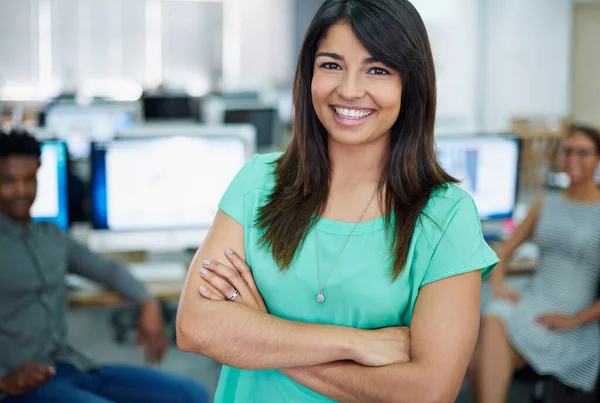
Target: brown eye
(378, 71)
(330, 66)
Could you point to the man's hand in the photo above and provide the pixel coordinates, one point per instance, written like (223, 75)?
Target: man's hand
(558, 321)
(25, 378)
(151, 332)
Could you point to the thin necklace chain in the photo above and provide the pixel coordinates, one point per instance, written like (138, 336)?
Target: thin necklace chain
(322, 287)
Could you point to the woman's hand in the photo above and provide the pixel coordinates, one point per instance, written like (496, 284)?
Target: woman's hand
(233, 282)
(385, 346)
(558, 321)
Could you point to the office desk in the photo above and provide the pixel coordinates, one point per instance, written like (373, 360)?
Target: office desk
(521, 267)
(166, 291)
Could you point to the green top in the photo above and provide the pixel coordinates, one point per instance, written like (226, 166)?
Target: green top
(359, 292)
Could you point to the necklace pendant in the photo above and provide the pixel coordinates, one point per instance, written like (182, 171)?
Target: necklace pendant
(320, 297)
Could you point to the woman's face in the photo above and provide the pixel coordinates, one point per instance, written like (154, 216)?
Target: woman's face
(579, 157)
(356, 98)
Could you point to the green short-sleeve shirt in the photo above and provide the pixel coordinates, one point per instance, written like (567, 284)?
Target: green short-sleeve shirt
(360, 293)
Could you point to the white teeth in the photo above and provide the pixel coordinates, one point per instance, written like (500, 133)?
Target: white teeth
(352, 113)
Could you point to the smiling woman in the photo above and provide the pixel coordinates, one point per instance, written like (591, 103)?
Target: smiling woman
(352, 90)
(353, 234)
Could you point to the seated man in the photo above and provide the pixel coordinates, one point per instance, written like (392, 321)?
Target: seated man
(36, 363)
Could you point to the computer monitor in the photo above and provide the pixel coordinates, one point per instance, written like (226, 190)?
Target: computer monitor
(156, 183)
(169, 107)
(79, 125)
(51, 202)
(487, 167)
(263, 118)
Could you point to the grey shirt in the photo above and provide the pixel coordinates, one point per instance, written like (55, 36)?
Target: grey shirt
(34, 261)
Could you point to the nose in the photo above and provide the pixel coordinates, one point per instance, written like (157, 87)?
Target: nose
(351, 86)
(20, 189)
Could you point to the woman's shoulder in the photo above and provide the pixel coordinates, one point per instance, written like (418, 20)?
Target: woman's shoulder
(447, 204)
(446, 199)
(259, 171)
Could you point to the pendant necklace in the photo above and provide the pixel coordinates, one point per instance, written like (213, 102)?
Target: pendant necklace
(320, 295)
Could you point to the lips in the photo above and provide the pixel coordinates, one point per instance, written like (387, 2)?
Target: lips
(351, 116)
(573, 169)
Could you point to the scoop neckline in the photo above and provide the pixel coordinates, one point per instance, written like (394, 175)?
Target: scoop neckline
(344, 227)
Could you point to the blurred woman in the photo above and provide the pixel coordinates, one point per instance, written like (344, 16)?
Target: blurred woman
(552, 327)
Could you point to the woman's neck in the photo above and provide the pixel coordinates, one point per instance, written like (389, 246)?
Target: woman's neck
(355, 176)
(587, 191)
(353, 165)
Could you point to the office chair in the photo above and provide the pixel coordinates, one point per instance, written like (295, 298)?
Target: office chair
(543, 385)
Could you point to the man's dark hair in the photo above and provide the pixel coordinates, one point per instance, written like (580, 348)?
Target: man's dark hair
(19, 143)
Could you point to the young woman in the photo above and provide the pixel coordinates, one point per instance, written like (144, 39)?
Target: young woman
(552, 326)
(354, 232)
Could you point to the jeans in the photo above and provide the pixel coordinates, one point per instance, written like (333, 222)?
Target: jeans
(114, 384)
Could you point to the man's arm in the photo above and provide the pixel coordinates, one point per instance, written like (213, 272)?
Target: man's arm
(448, 307)
(107, 272)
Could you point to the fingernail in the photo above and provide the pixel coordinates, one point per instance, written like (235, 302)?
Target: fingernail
(206, 262)
(204, 272)
(229, 251)
(202, 289)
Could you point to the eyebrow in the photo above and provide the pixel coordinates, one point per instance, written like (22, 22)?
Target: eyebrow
(335, 56)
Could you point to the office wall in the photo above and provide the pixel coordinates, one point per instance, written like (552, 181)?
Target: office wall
(526, 62)
(19, 42)
(109, 43)
(453, 27)
(267, 42)
(585, 73)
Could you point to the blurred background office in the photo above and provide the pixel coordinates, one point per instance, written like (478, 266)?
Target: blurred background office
(147, 109)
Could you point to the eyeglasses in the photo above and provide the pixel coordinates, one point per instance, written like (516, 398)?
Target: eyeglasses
(580, 152)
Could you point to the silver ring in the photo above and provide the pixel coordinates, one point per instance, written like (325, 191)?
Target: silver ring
(233, 296)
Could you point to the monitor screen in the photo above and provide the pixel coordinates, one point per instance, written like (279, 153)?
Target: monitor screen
(162, 182)
(171, 107)
(51, 200)
(487, 168)
(78, 125)
(264, 119)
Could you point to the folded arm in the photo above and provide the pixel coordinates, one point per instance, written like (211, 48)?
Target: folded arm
(448, 307)
(241, 337)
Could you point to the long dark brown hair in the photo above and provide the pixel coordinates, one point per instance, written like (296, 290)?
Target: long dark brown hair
(394, 34)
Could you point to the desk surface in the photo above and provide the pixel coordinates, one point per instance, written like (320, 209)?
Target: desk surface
(163, 290)
(521, 267)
